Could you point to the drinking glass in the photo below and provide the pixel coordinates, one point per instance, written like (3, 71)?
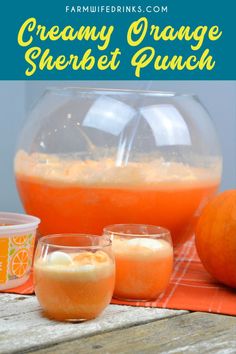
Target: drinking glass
(144, 260)
(74, 276)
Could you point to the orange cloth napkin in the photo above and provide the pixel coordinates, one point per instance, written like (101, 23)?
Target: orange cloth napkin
(191, 288)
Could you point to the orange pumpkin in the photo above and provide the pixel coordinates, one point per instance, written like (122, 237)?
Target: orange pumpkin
(216, 237)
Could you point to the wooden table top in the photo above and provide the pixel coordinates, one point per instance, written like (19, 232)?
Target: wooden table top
(120, 329)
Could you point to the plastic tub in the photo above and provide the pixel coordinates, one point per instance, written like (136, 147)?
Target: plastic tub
(17, 237)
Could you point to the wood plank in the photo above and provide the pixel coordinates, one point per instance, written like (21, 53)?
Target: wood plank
(191, 333)
(23, 327)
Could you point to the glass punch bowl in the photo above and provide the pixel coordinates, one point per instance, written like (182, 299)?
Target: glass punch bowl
(88, 158)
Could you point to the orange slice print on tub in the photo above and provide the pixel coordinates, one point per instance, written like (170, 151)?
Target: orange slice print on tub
(19, 240)
(19, 262)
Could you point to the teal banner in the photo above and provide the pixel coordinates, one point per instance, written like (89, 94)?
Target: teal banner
(117, 40)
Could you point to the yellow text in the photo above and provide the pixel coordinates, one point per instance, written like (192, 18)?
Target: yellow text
(38, 59)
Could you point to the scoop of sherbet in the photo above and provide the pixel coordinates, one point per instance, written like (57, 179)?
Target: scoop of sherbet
(146, 242)
(59, 258)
